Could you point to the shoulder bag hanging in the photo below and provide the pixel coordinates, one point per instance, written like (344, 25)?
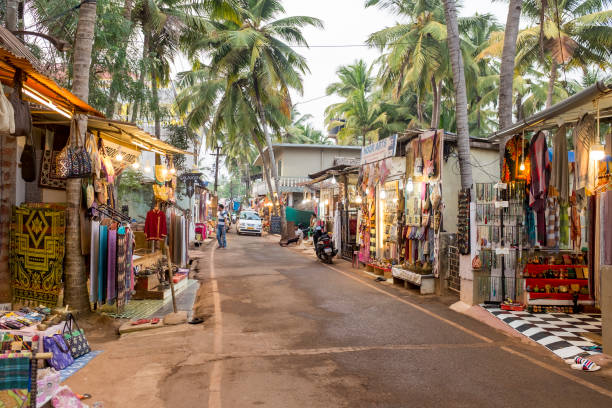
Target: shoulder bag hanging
(418, 161)
(28, 162)
(23, 118)
(81, 161)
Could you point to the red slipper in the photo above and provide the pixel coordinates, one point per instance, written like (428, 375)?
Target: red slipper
(140, 321)
(155, 320)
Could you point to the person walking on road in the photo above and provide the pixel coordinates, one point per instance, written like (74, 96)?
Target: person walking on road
(221, 220)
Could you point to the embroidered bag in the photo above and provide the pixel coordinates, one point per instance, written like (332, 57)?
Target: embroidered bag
(75, 337)
(418, 160)
(80, 160)
(61, 353)
(430, 165)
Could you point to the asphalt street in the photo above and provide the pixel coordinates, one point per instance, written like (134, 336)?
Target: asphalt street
(283, 330)
(296, 333)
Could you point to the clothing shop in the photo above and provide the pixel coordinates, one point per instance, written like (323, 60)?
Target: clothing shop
(406, 227)
(541, 244)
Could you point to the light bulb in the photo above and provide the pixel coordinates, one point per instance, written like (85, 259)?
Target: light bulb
(522, 167)
(135, 165)
(164, 172)
(395, 200)
(597, 151)
(333, 180)
(208, 202)
(326, 202)
(383, 194)
(172, 170)
(367, 190)
(119, 156)
(358, 199)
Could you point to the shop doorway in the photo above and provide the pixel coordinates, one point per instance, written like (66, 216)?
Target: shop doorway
(454, 281)
(349, 233)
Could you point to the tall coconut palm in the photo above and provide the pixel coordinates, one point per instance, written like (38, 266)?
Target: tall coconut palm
(463, 135)
(360, 114)
(567, 33)
(256, 46)
(76, 281)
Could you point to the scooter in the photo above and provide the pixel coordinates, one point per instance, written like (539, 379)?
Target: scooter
(324, 248)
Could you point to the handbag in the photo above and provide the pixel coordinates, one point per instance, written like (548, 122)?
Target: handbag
(61, 353)
(80, 159)
(94, 154)
(75, 337)
(430, 165)
(87, 191)
(418, 161)
(23, 117)
(28, 162)
(7, 115)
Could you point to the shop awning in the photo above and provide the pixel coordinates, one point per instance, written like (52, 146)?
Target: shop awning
(122, 133)
(597, 96)
(15, 55)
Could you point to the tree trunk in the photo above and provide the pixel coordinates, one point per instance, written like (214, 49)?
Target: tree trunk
(435, 111)
(506, 73)
(551, 84)
(463, 135)
(273, 166)
(76, 280)
(11, 15)
(155, 104)
(141, 76)
(519, 106)
(266, 167)
(419, 110)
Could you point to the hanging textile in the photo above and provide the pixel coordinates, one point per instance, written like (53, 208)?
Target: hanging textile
(552, 226)
(155, 225)
(576, 229)
(337, 229)
(111, 276)
(606, 199)
(93, 261)
(564, 225)
(102, 263)
(559, 175)
(36, 259)
(121, 267)
(540, 171)
(584, 134)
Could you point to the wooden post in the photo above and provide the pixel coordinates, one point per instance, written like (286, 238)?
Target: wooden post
(171, 278)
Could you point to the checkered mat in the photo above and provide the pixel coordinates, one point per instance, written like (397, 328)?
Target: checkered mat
(558, 332)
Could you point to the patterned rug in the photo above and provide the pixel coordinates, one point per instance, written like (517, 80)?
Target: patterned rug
(37, 252)
(558, 332)
(77, 365)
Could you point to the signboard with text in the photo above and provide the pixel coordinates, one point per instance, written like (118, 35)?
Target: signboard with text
(379, 150)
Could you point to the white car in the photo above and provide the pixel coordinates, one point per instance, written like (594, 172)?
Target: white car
(249, 223)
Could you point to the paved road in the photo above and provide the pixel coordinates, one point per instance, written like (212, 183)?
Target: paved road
(295, 333)
(285, 331)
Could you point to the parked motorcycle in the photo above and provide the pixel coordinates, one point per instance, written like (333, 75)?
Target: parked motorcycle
(324, 248)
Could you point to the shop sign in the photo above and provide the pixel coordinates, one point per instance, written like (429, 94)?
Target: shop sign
(378, 151)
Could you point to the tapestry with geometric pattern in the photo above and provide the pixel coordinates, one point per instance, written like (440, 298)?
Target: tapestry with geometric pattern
(37, 252)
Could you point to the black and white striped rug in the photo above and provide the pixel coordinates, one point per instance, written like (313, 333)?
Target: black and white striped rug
(558, 332)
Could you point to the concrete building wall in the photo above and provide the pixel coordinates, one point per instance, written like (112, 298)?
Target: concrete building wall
(485, 169)
(299, 162)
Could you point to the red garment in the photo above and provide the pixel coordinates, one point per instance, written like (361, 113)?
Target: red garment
(155, 225)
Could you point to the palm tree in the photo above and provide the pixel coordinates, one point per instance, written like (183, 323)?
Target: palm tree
(463, 135)
(360, 115)
(572, 34)
(255, 48)
(76, 281)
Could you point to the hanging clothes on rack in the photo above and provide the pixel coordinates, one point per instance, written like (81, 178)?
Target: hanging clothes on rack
(540, 172)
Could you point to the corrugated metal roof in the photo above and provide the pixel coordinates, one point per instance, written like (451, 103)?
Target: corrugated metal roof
(14, 54)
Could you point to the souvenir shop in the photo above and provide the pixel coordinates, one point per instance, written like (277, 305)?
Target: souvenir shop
(541, 241)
